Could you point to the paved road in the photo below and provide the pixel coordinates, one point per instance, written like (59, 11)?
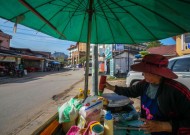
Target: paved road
(26, 97)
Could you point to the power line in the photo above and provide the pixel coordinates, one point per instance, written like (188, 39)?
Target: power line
(35, 47)
(41, 41)
(21, 33)
(38, 38)
(17, 28)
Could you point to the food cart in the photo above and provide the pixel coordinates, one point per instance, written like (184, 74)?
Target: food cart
(125, 117)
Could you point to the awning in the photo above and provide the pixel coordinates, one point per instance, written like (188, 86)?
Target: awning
(30, 57)
(7, 57)
(55, 62)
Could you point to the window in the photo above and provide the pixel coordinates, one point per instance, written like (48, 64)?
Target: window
(186, 41)
(187, 38)
(171, 64)
(182, 65)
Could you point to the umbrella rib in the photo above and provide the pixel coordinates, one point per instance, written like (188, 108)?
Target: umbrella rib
(158, 15)
(119, 20)
(104, 16)
(70, 3)
(71, 17)
(169, 8)
(84, 4)
(185, 1)
(107, 21)
(56, 13)
(50, 19)
(136, 19)
(34, 7)
(71, 6)
(82, 27)
(27, 5)
(76, 4)
(98, 5)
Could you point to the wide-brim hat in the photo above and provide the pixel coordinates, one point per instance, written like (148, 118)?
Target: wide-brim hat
(155, 64)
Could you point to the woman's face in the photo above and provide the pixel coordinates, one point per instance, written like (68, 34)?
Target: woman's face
(152, 78)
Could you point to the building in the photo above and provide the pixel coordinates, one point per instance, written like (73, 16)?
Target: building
(8, 59)
(183, 44)
(118, 58)
(11, 58)
(101, 57)
(31, 60)
(4, 41)
(76, 52)
(182, 47)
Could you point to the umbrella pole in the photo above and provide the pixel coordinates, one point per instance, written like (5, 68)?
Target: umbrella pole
(95, 69)
(90, 12)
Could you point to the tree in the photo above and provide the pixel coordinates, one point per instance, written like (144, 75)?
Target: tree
(60, 59)
(154, 44)
(82, 60)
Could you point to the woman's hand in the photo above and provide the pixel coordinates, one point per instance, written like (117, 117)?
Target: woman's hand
(109, 86)
(155, 126)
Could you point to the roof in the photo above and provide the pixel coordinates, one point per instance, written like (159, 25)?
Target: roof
(5, 35)
(24, 49)
(31, 57)
(72, 47)
(8, 54)
(168, 50)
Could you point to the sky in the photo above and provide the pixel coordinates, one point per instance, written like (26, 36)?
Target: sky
(37, 41)
(34, 40)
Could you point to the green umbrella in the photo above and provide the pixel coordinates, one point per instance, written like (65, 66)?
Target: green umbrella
(101, 21)
(113, 21)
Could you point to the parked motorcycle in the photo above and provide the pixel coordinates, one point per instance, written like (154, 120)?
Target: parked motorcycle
(20, 73)
(12, 73)
(16, 73)
(3, 72)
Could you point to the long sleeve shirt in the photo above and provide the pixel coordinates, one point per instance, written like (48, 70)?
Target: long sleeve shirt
(173, 100)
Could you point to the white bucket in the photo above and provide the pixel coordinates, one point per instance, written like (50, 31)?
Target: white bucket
(25, 72)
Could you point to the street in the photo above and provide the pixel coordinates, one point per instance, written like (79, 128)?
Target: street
(22, 100)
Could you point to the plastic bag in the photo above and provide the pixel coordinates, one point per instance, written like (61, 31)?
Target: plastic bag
(74, 130)
(69, 110)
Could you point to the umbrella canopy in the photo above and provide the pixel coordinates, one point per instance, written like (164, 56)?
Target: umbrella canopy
(101, 21)
(113, 21)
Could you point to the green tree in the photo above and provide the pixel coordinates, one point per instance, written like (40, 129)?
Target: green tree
(82, 60)
(154, 44)
(60, 59)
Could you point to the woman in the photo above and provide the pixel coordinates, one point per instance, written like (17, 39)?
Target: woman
(165, 103)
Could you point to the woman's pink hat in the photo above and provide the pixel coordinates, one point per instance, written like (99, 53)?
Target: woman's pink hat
(155, 64)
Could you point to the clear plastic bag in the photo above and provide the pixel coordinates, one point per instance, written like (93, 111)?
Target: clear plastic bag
(69, 110)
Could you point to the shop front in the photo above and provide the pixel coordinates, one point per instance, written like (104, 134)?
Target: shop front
(32, 63)
(8, 62)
